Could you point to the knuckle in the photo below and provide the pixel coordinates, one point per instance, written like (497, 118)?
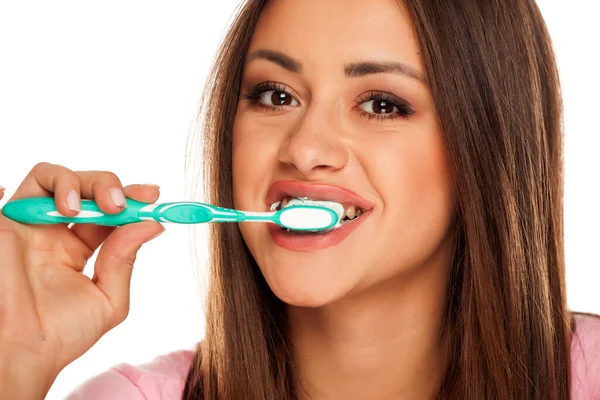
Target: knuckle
(60, 173)
(128, 259)
(72, 177)
(111, 176)
(40, 166)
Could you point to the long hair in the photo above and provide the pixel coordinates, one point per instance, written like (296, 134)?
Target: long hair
(493, 77)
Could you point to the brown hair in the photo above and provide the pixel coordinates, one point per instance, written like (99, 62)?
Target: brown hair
(494, 81)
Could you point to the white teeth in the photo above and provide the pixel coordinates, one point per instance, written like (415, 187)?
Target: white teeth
(351, 211)
(346, 214)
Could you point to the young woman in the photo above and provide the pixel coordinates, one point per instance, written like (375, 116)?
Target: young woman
(436, 124)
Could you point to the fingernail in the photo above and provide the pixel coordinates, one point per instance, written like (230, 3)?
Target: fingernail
(73, 201)
(2, 187)
(118, 198)
(151, 184)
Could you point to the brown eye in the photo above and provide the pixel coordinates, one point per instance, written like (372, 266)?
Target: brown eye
(383, 107)
(281, 98)
(380, 107)
(277, 98)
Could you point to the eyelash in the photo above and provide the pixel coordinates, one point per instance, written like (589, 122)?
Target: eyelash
(257, 90)
(404, 109)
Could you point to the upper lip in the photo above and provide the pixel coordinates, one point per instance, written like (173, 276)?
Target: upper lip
(280, 189)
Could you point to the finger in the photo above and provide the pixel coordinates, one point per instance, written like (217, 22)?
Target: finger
(94, 235)
(147, 193)
(68, 187)
(114, 265)
(105, 188)
(47, 179)
(2, 189)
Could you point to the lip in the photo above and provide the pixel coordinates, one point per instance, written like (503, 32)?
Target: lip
(280, 189)
(311, 242)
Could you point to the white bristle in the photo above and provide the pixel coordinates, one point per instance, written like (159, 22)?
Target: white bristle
(332, 205)
(274, 206)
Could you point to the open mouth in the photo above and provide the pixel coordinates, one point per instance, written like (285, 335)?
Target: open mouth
(351, 212)
(352, 209)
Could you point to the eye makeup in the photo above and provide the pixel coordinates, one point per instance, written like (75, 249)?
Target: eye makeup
(373, 104)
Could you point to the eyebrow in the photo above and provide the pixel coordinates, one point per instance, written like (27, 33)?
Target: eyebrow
(382, 67)
(353, 70)
(277, 57)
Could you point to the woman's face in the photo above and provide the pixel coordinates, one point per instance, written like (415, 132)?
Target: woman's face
(334, 106)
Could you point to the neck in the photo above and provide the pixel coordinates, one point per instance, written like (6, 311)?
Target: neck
(382, 343)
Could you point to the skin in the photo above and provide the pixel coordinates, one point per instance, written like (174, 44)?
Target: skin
(51, 313)
(365, 314)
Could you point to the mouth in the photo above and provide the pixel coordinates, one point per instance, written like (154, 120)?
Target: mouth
(351, 211)
(356, 209)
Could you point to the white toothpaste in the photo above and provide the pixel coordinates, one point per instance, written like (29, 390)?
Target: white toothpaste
(304, 201)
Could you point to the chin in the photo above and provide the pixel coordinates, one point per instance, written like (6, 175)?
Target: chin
(306, 278)
(304, 285)
(303, 297)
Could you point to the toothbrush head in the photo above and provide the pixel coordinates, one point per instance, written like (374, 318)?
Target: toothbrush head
(311, 218)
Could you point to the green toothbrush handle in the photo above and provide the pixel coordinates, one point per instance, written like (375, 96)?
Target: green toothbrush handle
(42, 211)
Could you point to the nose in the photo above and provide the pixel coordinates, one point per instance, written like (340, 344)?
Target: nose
(315, 144)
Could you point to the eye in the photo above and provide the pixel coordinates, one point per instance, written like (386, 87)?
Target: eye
(379, 107)
(382, 105)
(277, 98)
(271, 95)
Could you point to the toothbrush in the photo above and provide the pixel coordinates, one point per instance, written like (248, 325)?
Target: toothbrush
(42, 210)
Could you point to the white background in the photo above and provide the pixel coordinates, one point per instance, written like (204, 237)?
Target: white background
(114, 85)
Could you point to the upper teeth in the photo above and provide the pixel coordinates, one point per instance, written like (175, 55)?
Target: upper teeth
(351, 211)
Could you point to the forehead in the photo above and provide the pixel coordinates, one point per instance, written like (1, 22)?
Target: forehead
(329, 33)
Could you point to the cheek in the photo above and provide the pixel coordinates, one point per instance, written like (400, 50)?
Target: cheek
(411, 167)
(243, 171)
(413, 178)
(247, 149)
(257, 140)
(253, 159)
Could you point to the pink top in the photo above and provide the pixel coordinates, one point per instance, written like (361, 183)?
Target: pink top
(164, 377)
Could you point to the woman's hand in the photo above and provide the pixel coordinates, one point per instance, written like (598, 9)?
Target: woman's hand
(51, 313)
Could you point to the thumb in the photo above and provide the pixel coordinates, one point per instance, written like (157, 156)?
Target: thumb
(114, 264)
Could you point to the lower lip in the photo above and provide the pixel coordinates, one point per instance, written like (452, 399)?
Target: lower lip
(311, 242)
